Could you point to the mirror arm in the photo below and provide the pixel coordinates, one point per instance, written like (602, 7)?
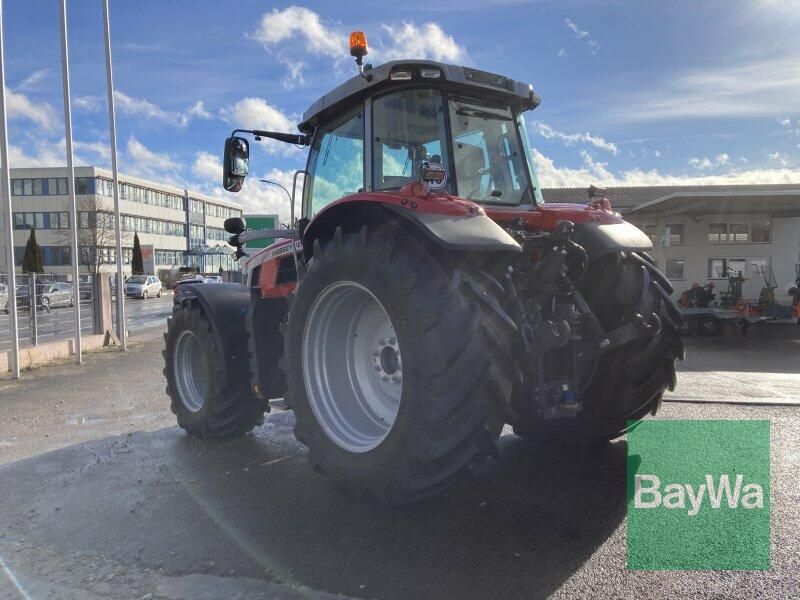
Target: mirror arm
(289, 138)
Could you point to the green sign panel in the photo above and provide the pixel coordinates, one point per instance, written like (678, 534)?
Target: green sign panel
(256, 222)
(698, 495)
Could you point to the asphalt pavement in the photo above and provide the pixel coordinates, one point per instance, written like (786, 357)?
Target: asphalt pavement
(103, 497)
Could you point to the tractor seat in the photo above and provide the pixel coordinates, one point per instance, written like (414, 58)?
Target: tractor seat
(470, 162)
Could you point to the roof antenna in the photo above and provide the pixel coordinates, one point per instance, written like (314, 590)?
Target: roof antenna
(358, 49)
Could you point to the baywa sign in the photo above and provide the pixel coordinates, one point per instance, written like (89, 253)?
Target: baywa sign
(648, 494)
(698, 495)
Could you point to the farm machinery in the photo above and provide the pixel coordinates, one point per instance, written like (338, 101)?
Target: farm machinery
(426, 296)
(707, 316)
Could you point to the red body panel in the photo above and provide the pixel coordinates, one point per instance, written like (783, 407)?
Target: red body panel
(414, 197)
(270, 259)
(548, 216)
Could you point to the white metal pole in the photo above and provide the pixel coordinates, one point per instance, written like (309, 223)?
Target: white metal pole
(112, 131)
(73, 209)
(6, 194)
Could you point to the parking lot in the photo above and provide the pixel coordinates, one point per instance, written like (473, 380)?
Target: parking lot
(58, 323)
(103, 497)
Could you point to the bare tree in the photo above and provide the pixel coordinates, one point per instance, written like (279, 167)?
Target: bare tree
(95, 233)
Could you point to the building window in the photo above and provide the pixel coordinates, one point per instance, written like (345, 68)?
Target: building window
(722, 268)
(739, 233)
(53, 256)
(675, 268)
(84, 185)
(717, 233)
(761, 232)
(650, 231)
(676, 234)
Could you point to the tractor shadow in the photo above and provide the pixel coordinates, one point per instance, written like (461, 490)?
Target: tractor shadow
(254, 508)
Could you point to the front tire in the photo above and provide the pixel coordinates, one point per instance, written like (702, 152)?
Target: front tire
(389, 366)
(208, 401)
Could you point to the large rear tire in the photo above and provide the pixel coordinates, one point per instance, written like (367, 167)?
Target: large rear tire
(389, 366)
(208, 401)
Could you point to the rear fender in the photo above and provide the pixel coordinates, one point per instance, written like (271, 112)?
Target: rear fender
(599, 239)
(455, 230)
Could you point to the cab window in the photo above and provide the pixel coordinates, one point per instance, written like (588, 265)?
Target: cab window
(336, 163)
(408, 129)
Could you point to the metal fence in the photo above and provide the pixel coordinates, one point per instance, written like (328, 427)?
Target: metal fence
(44, 308)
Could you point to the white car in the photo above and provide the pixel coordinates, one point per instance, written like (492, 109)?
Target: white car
(143, 286)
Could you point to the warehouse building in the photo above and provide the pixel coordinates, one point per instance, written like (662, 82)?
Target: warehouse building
(704, 233)
(182, 226)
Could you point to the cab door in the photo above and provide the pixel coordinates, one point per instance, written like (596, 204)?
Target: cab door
(336, 162)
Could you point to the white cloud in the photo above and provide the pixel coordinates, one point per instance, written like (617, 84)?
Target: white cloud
(784, 121)
(207, 167)
(562, 53)
(198, 111)
(255, 196)
(581, 34)
(294, 73)
(138, 107)
(657, 153)
(89, 103)
(257, 113)
(22, 107)
(99, 151)
(593, 172)
(757, 88)
(299, 22)
(779, 157)
(144, 109)
(33, 80)
(707, 163)
(300, 31)
(570, 139)
(426, 41)
(139, 160)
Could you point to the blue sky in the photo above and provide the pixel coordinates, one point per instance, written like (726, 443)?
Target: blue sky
(634, 93)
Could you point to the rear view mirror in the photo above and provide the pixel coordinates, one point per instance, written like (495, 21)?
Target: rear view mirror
(235, 163)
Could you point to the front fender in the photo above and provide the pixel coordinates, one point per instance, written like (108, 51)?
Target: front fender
(225, 305)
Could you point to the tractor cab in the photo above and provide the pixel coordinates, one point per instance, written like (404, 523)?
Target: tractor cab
(459, 130)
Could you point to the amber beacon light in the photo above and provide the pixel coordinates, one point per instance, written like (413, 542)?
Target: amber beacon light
(358, 44)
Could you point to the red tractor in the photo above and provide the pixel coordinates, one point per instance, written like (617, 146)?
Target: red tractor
(427, 295)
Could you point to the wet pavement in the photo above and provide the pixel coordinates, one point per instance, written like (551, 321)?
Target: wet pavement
(102, 497)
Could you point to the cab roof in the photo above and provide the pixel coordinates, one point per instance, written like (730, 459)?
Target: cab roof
(419, 72)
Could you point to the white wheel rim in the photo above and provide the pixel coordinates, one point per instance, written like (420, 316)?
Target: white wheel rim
(352, 366)
(189, 366)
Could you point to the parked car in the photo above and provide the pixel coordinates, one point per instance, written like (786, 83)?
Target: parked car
(23, 295)
(57, 294)
(143, 286)
(181, 291)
